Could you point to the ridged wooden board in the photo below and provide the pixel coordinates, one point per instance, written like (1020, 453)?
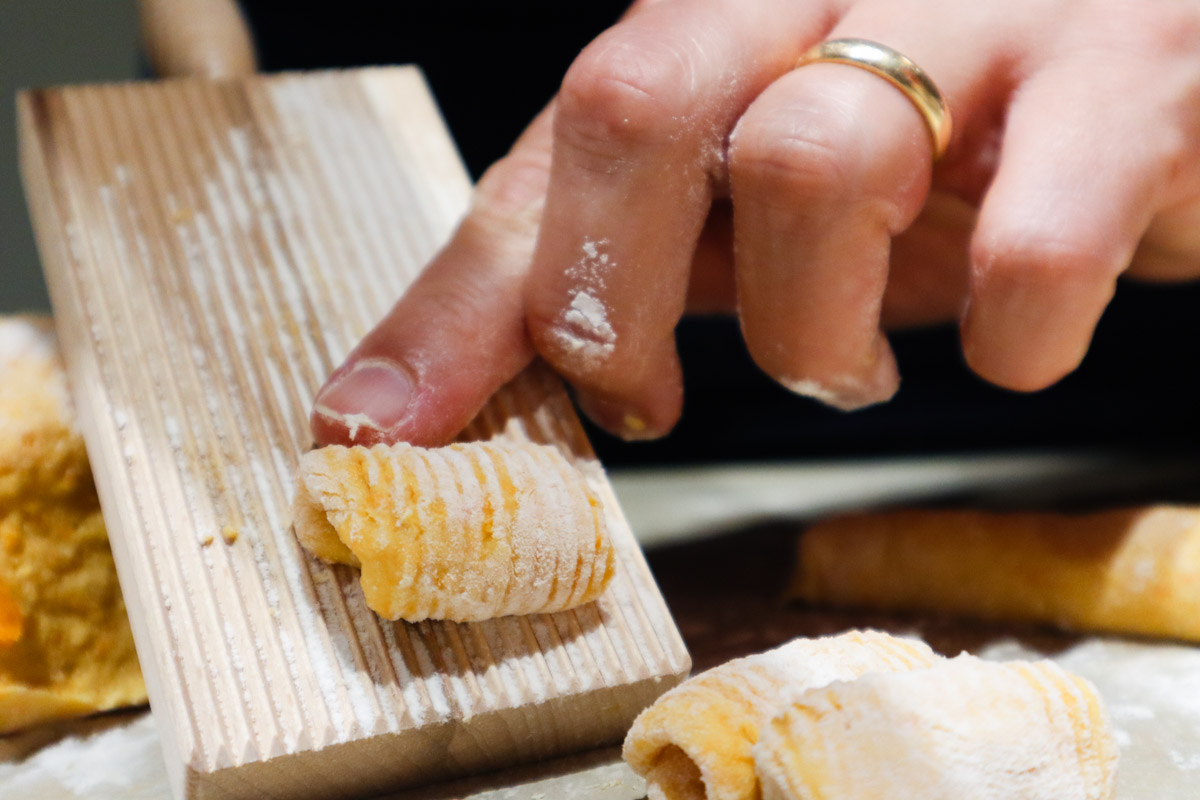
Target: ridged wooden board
(213, 250)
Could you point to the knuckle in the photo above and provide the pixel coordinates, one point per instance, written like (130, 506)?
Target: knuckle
(804, 151)
(1175, 27)
(1041, 259)
(594, 345)
(456, 303)
(620, 93)
(1155, 27)
(511, 194)
(1137, 30)
(1175, 156)
(577, 341)
(463, 292)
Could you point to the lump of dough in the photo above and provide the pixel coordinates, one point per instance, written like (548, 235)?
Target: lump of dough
(65, 644)
(962, 728)
(695, 741)
(466, 532)
(1130, 571)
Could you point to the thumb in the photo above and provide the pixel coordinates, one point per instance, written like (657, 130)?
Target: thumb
(458, 333)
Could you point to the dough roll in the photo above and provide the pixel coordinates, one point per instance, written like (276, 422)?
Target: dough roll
(1131, 571)
(963, 728)
(466, 532)
(695, 741)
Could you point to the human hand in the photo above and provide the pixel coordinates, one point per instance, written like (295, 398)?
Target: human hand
(686, 163)
(196, 38)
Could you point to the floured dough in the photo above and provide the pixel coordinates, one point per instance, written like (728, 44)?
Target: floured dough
(465, 532)
(695, 741)
(65, 644)
(1132, 571)
(962, 728)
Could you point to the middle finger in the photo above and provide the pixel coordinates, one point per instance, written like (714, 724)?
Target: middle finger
(639, 135)
(829, 164)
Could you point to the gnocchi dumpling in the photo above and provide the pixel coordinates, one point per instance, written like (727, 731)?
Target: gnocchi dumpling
(465, 532)
(960, 728)
(695, 742)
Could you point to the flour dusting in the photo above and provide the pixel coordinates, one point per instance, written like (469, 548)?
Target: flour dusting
(353, 422)
(590, 316)
(356, 421)
(845, 392)
(585, 332)
(27, 337)
(123, 761)
(1152, 693)
(1186, 762)
(590, 271)
(817, 391)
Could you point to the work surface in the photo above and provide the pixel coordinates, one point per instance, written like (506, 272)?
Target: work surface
(724, 589)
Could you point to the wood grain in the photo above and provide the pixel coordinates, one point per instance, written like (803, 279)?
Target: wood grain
(213, 250)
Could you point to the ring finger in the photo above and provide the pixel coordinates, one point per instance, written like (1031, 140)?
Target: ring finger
(826, 166)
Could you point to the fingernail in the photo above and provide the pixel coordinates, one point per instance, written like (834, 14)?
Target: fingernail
(615, 418)
(375, 394)
(842, 397)
(851, 392)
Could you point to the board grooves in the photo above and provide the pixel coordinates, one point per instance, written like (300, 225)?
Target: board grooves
(213, 251)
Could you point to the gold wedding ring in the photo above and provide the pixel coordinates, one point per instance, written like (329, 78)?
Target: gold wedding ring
(898, 70)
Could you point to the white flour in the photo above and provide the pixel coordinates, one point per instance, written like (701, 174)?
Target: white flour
(594, 264)
(845, 392)
(816, 391)
(1152, 693)
(30, 339)
(1187, 763)
(122, 761)
(585, 332)
(26, 337)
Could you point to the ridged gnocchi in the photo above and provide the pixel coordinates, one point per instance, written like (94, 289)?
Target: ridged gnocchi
(695, 741)
(465, 532)
(962, 728)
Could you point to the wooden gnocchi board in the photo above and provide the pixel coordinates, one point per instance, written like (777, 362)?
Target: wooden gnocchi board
(213, 250)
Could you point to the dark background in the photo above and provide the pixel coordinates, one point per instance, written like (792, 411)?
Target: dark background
(493, 65)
